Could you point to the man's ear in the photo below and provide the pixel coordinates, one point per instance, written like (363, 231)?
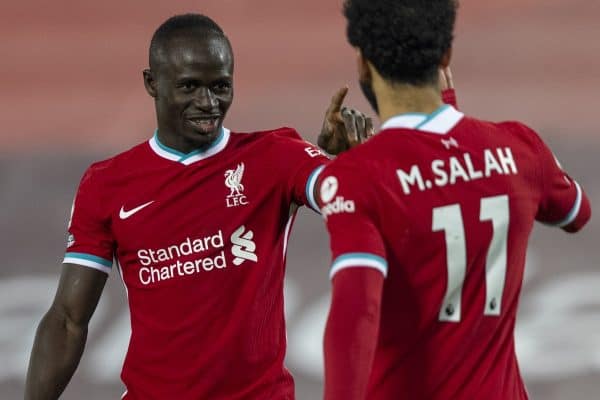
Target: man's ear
(150, 83)
(364, 72)
(445, 62)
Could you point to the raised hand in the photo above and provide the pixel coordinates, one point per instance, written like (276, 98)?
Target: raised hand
(446, 81)
(343, 127)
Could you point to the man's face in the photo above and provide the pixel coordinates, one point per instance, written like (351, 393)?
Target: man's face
(194, 89)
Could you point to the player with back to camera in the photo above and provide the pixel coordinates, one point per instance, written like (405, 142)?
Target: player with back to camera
(429, 223)
(197, 220)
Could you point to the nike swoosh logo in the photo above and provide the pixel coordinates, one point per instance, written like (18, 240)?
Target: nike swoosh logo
(126, 214)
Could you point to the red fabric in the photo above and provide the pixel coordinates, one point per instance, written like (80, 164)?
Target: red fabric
(582, 218)
(351, 332)
(449, 97)
(564, 203)
(203, 263)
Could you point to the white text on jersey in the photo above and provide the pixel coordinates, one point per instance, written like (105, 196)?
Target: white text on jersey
(182, 259)
(313, 151)
(499, 161)
(153, 273)
(233, 180)
(338, 206)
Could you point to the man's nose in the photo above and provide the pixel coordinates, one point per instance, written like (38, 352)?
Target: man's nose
(205, 99)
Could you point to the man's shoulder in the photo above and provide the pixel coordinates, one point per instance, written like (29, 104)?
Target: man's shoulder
(510, 128)
(284, 144)
(362, 156)
(119, 162)
(282, 134)
(470, 130)
(354, 164)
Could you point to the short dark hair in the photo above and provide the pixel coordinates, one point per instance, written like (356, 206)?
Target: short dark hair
(405, 40)
(178, 24)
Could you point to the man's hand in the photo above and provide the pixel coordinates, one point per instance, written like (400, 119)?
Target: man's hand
(343, 127)
(447, 87)
(446, 81)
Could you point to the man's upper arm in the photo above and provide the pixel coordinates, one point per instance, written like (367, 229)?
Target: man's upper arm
(89, 254)
(564, 203)
(78, 292)
(90, 243)
(349, 207)
(305, 162)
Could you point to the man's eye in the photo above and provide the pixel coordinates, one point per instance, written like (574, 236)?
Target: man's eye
(187, 85)
(222, 86)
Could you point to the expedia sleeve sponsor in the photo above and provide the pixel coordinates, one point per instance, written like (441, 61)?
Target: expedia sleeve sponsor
(328, 190)
(338, 206)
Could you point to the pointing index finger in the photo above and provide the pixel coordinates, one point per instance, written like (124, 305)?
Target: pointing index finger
(337, 100)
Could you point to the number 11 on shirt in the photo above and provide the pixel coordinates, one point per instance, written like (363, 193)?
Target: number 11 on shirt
(449, 219)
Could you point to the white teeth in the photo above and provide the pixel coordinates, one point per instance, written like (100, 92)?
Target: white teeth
(204, 123)
(203, 120)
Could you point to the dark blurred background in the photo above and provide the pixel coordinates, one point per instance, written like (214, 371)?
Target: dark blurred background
(71, 92)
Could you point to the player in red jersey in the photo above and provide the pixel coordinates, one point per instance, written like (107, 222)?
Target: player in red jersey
(429, 222)
(197, 220)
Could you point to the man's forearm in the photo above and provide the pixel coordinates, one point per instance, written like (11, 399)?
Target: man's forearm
(56, 353)
(349, 350)
(351, 333)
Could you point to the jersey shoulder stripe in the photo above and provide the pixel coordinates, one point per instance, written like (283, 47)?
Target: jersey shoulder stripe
(353, 260)
(88, 260)
(310, 187)
(570, 217)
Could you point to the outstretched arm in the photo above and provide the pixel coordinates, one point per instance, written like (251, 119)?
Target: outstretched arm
(62, 332)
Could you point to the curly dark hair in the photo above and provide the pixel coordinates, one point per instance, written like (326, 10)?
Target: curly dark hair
(404, 39)
(178, 24)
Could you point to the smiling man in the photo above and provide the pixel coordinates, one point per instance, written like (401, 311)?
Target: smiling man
(196, 220)
(191, 80)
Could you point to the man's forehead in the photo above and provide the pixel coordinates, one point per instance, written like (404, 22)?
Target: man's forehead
(196, 49)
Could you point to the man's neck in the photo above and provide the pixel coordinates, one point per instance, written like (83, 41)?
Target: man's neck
(182, 144)
(402, 99)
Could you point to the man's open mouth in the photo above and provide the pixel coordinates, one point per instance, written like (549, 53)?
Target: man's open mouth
(204, 124)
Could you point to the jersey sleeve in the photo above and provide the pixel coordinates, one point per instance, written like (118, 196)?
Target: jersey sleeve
(305, 162)
(90, 242)
(563, 203)
(348, 206)
(353, 323)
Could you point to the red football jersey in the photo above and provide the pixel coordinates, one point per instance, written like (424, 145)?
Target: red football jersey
(443, 206)
(200, 241)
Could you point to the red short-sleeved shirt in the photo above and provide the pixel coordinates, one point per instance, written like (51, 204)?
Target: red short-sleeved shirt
(200, 241)
(443, 206)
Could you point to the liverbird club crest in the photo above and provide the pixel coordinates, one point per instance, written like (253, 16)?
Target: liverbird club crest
(233, 180)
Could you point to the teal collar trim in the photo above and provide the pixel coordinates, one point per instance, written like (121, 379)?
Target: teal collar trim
(174, 155)
(441, 121)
